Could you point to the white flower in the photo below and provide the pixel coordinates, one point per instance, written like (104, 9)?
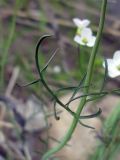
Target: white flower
(57, 69)
(81, 24)
(114, 65)
(86, 38)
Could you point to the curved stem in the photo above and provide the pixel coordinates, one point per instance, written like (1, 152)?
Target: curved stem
(42, 78)
(75, 121)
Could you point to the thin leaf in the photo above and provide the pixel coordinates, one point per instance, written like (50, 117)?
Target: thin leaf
(90, 94)
(37, 51)
(69, 88)
(28, 84)
(94, 98)
(42, 78)
(84, 125)
(46, 65)
(77, 89)
(92, 115)
(105, 76)
(54, 139)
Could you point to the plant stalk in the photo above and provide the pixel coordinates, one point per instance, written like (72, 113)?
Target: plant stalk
(75, 121)
(8, 44)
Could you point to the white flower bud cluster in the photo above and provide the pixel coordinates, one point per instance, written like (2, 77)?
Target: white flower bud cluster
(84, 35)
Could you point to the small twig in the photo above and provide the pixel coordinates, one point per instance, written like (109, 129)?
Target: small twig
(12, 81)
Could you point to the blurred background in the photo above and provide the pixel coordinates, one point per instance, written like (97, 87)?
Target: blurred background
(23, 110)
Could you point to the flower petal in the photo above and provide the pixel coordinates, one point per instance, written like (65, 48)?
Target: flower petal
(113, 65)
(85, 22)
(77, 22)
(113, 73)
(86, 32)
(109, 63)
(116, 55)
(91, 41)
(116, 58)
(78, 40)
(112, 69)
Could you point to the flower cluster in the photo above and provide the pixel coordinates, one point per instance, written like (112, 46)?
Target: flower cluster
(114, 65)
(84, 35)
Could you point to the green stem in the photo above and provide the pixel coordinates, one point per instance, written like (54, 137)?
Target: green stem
(8, 44)
(42, 78)
(75, 121)
(82, 59)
